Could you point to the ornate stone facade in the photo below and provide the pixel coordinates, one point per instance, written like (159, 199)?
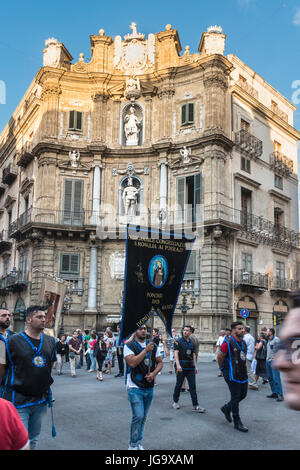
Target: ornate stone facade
(143, 133)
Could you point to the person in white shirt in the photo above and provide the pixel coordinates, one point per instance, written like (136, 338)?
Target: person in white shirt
(219, 343)
(250, 342)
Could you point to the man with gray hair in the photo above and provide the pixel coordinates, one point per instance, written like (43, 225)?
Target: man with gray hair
(249, 340)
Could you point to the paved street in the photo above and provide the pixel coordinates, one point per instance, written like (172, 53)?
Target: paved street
(91, 415)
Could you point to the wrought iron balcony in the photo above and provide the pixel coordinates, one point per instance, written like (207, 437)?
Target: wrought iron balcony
(282, 284)
(9, 174)
(252, 280)
(281, 164)
(14, 282)
(248, 144)
(75, 284)
(25, 155)
(5, 242)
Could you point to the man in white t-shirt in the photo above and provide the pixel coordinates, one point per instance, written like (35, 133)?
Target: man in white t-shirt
(250, 342)
(143, 364)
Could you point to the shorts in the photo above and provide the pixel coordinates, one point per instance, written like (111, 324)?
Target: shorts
(172, 356)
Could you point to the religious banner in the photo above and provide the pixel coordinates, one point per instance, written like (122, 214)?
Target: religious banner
(155, 265)
(53, 294)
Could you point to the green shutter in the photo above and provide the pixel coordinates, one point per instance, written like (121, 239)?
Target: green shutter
(78, 121)
(180, 198)
(197, 197)
(69, 263)
(74, 264)
(65, 263)
(72, 203)
(72, 120)
(191, 112)
(183, 115)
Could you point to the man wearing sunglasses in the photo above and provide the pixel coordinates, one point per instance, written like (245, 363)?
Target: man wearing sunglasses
(287, 359)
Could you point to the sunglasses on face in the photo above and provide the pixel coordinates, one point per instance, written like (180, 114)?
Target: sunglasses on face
(291, 348)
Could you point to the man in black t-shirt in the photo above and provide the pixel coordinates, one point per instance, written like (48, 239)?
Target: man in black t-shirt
(29, 361)
(186, 364)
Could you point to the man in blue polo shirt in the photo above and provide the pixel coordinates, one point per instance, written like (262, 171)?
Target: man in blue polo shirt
(186, 365)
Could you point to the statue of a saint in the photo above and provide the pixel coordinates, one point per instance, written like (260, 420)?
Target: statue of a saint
(74, 158)
(185, 153)
(129, 196)
(132, 127)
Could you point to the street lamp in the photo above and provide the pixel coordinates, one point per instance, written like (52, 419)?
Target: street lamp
(184, 307)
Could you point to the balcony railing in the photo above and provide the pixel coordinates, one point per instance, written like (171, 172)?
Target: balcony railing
(248, 144)
(248, 88)
(281, 164)
(14, 281)
(278, 283)
(25, 155)
(75, 283)
(9, 174)
(251, 279)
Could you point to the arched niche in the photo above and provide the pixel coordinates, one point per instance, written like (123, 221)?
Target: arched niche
(126, 115)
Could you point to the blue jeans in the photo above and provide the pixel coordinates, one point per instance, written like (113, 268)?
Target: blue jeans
(32, 417)
(140, 400)
(274, 378)
(93, 360)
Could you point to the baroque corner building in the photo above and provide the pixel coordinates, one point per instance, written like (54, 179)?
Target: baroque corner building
(147, 134)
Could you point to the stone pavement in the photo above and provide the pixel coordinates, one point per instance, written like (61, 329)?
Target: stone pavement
(93, 415)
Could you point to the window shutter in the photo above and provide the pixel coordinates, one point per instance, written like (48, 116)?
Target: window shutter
(183, 114)
(68, 198)
(191, 266)
(72, 120)
(78, 121)
(77, 200)
(65, 263)
(74, 264)
(197, 196)
(191, 112)
(180, 197)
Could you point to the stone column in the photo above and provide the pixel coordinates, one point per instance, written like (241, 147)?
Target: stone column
(93, 278)
(99, 117)
(50, 111)
(95, 219)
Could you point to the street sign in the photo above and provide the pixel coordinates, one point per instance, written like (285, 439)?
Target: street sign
(245, 313)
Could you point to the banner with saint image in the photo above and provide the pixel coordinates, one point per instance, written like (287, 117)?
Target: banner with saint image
(154, 270)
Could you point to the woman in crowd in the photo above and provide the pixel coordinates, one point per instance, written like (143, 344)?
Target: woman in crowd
(62, 350)
(100, 352)
(92, 343)
(109, 347)
(260, 356)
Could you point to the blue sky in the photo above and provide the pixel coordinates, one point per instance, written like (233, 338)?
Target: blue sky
(265, 34)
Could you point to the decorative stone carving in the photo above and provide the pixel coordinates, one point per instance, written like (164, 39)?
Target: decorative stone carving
(80, 66)
(185, 154)
(117, 265)
(130, 170)
(52, 53)
(132, 88)
(74, 158)
(135, 53)
(130, 196)
(132, 127)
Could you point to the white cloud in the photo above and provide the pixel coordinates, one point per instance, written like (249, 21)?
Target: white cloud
(296, 19)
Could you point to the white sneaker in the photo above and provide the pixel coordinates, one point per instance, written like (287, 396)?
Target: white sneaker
(176, 406)
(199, 409)
(140, 447)
(132, 448)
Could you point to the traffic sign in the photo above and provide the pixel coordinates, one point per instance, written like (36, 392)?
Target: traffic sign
(245, 313)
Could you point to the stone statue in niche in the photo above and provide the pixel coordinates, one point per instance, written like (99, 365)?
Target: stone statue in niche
(185, 154)
(132, 127)
(130, 196)
(74, 158)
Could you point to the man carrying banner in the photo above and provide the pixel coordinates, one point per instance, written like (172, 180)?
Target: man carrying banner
(186, 364)
(143, 364)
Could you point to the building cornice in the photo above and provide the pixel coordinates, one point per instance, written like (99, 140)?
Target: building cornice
(245, 179)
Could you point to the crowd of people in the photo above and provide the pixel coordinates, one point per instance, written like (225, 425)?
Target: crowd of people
(27, 360)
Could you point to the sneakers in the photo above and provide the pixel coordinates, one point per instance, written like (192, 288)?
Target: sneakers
(253, 387)
(183, 390)
(273, 395)
(133, 448)
(140, 447)
(280, 398)
(176, 406)
(199, 409)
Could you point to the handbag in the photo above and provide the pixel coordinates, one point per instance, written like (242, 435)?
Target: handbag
(262, 352)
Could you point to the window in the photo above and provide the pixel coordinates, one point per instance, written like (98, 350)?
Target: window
(247, 265)
(278, 217)
(5, 267)
(187, 114)
(245, 125)
(191, 266)
(278, 181)
(280, 270)
(22, 265)
(188, 198)
(277, 146)
(246, 164)
(69, 265)
(75, 120)
(72, 203)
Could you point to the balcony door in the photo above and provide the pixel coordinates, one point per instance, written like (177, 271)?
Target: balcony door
(188, 198)
(246, 205)
(72, 202)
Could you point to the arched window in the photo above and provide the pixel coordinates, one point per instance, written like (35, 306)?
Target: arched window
(20, 305)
